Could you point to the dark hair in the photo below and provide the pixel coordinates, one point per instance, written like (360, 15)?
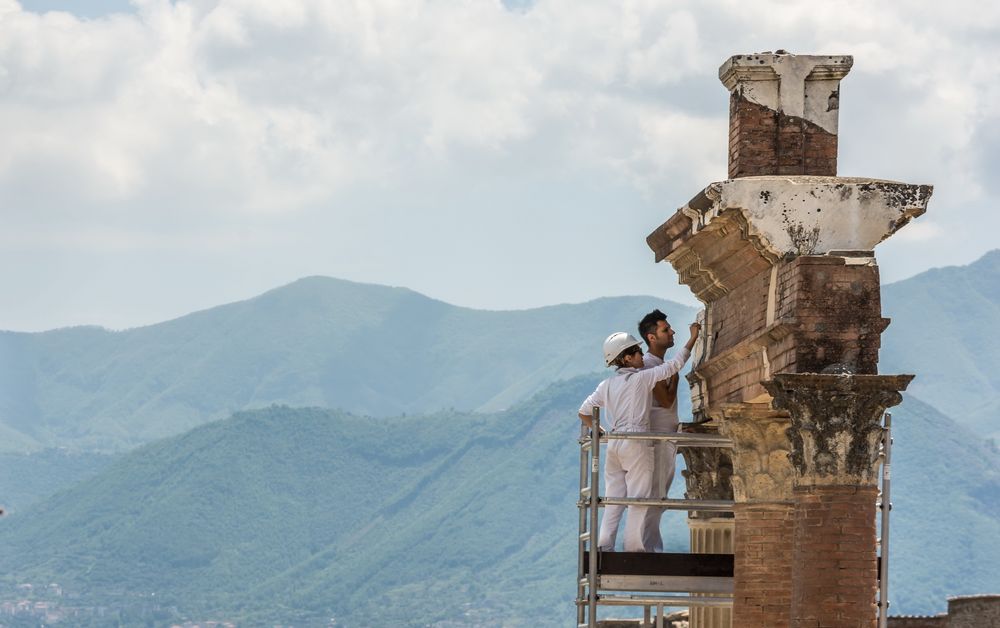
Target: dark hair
(620, 360)
(648, 323)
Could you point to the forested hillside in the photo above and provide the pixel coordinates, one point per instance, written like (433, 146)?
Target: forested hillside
(298, 515)
(944, 324)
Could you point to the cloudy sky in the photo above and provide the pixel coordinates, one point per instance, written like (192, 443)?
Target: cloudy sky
(159, 157)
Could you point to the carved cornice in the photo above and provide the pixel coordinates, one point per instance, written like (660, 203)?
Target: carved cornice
(836, 423)
(708, 473)
(770, 214)
(711, 256)
(762, 472)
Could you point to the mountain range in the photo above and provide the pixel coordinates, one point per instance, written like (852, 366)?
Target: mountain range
(461, 513)
(323, 342)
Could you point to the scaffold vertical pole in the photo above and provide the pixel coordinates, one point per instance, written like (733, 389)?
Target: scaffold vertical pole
(886, 506)
(582, 537)
(595, 479)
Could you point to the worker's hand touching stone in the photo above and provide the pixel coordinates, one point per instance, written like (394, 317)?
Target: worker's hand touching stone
(695, 331)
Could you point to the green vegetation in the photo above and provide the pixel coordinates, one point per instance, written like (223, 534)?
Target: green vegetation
(944, 324)
(298, 515)
(32, 477)
(436, 517)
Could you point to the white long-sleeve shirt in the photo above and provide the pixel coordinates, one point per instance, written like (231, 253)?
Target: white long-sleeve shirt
(626, 395)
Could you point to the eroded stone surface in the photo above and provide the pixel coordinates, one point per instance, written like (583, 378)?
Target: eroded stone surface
(836, 424)
(762, 471)
(794, 215)
(804, 86)
(708, 472)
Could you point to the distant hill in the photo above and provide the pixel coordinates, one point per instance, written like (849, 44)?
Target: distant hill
(293, 516)
(384, 351)
(32, 477)
(944, 329)
(298, 515)
(316, 342)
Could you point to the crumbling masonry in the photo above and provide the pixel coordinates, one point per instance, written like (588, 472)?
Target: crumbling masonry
(781, 256)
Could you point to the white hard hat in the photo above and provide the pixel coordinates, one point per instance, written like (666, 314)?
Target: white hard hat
(616, 343)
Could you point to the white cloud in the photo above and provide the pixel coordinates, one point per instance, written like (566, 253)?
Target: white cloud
(302, 116)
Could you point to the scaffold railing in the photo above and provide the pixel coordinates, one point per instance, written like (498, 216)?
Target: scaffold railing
(589, 578)
(591, 593)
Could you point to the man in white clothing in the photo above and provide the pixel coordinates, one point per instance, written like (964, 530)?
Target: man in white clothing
(629, 466)
(659, 336)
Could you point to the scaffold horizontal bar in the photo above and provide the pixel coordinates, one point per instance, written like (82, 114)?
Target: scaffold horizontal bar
(680, 601)
(681, 439)
(666, 584)
(706, 505)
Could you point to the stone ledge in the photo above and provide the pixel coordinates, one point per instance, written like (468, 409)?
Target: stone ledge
(796, 214)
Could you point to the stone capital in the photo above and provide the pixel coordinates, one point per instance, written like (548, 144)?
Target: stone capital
(708, 472)
(804, 86)
(762, 472)
(836, 423)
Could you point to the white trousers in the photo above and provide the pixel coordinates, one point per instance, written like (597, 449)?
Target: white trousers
(628, 472)
(663, 473)
(638, 469)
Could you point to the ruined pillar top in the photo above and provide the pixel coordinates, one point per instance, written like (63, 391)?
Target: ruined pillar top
(803, 86)
(836, 424)
(783, 113)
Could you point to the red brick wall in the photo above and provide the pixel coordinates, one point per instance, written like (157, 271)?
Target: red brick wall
(740, 313)
(834, 557)
(837, 309)
(762, 544)
(763, 141)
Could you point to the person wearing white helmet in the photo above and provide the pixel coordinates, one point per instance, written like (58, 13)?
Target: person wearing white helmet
(629, 466)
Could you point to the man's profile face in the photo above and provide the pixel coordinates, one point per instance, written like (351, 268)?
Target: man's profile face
(664, 335)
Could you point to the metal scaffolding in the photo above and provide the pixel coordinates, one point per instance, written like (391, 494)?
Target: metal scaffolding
(666, 580)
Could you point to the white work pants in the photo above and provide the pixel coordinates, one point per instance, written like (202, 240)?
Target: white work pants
(628, 472)
(664, 456)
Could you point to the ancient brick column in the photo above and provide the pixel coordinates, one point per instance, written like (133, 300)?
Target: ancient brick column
(762, 488)
(835, 431)
(783, 113)
(708, 475)
(781, 254)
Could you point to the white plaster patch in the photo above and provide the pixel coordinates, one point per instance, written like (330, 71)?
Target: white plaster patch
(804, 86)
(809, 215)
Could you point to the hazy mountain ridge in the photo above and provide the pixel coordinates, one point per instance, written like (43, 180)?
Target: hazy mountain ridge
(316, 342)
(301, 541)
(383, 351)
(943, 329)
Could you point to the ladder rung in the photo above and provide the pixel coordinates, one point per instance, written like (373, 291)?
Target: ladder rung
(585, 492)
(585, 536)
